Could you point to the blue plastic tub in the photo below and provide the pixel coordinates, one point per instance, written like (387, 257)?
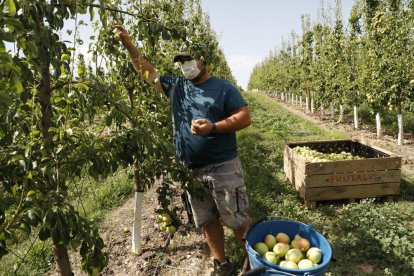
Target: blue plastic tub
(258, 231)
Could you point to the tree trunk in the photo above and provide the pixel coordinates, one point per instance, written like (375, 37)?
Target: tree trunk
(44, 98)
(45, 93)
(62, 260)
(332, 110)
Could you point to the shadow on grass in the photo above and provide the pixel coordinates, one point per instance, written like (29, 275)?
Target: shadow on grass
(261, 165)
(376, 236)
(367, 253)
(407, 188)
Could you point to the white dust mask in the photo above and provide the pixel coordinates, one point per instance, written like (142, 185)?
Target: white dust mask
(190, 69)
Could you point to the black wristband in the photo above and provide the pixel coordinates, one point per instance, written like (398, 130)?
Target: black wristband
(213, 129)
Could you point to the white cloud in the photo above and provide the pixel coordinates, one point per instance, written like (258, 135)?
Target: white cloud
(242, 66)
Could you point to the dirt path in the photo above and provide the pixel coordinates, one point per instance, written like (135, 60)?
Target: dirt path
(190, 257)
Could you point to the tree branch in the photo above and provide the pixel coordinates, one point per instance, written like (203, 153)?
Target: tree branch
(60, 85)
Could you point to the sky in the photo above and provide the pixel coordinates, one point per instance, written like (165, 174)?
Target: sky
(248, 30)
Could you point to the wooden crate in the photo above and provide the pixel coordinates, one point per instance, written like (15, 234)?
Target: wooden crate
(378, 174)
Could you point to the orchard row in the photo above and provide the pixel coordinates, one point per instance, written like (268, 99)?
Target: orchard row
(365, 60)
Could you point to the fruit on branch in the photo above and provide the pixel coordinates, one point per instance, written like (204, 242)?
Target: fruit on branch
(171, 229)
(117, 37)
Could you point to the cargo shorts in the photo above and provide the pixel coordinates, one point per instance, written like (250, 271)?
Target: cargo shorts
(227, 196)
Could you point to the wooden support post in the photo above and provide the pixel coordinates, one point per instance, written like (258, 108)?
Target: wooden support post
(310, 204)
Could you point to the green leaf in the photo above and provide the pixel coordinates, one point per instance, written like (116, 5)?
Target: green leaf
(80, 71)
(5, 99)
(165, 34)
(91, 12)
(57, 99)
(83, 249)
(82, 86)
(32, 49)
(22, 164)
(93, 172)
(3, 250)
(34, 217)
(2, 217)
(135, 112)
(10, 8)
(14, 189)
(65, 57)
(17, 85)
(108, 121)
(25, 226)
(43, 170)
(51, 217)
(44, 234)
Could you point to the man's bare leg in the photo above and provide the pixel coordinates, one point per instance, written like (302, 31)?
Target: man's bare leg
(214, 235)
(239, 233)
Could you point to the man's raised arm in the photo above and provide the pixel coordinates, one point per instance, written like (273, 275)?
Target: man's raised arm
(141, 65)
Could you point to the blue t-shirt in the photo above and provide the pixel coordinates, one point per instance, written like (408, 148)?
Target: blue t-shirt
(214, 100)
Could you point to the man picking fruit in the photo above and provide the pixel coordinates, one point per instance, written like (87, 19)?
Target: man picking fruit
(207, 111)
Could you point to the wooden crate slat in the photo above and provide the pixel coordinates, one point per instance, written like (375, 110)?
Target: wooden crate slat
(299, 179)
(293, 164)
(360, 165)
(357, 191)
(353, 178)
(287, 164)
(302, 191)
(295, 160)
